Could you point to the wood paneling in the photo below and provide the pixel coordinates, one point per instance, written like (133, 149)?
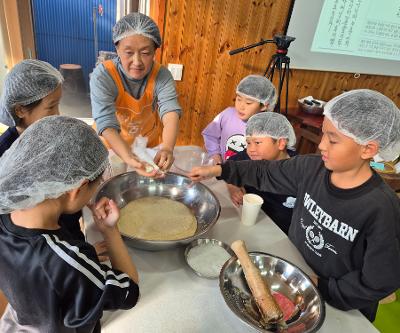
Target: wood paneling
(199, 34)
(325, 85)
(18, 30)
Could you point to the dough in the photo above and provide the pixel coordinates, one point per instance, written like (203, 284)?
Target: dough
(157, 218)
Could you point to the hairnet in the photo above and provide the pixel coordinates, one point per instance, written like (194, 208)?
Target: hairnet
(271, 124)
(27, 82)
(136, 24)
(52, 156)
(367, 115)
(258, 88)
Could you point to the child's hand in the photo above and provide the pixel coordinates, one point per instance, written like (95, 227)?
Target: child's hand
(236, 194)
(200, 173)
(106, 214)
(217, 158)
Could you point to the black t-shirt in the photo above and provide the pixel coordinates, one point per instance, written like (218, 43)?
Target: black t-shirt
(7, 139)
(279, 207)
(55, 283)
(349, 237)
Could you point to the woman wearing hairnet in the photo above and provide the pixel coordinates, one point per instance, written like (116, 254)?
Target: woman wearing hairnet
(54, 281)
(31, 91)
(132, 93)
(224, 136)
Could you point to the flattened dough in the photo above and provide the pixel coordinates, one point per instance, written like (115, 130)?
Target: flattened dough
(157, 218)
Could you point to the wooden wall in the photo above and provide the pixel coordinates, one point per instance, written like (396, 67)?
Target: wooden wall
(199, 34)
(17, 30)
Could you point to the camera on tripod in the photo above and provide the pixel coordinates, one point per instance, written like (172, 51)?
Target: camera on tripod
(283, 41)
(279, 61)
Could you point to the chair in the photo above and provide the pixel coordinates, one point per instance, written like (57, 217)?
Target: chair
(307, 141)
(308, 129)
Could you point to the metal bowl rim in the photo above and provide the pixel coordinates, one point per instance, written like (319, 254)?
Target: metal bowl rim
(166, 242)
(200, 241)
(231, 260)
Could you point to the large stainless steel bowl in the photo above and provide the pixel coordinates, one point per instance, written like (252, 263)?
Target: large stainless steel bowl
(282, 277)
(198, 198)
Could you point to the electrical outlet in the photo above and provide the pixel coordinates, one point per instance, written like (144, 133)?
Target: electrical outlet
(176, 71)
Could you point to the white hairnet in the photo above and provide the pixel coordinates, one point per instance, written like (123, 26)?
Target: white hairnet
(27, 82)
(271, 124)
(258, 88)
(367, 115)
(52, 156)
(136, 24)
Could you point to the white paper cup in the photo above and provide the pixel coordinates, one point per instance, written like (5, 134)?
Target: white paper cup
(251, 206)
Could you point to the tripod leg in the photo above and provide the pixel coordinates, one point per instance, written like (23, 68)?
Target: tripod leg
(269, 71)
(287, 72)
(281, 79)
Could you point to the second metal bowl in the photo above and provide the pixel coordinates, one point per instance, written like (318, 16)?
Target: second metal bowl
(282, 277)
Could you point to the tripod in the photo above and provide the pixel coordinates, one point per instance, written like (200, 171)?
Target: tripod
(279, 61)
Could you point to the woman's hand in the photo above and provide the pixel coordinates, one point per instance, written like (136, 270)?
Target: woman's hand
(105, 215)
(236, 194)
(164, 159)
(142, 168)
(200, 173)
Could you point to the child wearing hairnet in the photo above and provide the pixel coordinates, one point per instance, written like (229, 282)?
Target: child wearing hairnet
(134, 95)
(224, 136)
(346, 219)
(31, 91)
(269, 136)
(53, 281)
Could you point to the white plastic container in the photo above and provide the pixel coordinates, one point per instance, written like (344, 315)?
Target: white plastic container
(188, 157)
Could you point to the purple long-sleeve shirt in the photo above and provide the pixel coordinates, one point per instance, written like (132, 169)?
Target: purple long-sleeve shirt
(225, 135)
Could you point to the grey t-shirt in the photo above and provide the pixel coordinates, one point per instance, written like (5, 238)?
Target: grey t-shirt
(104, 92)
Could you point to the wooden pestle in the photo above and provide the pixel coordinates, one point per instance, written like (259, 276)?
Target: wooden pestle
(260, 290)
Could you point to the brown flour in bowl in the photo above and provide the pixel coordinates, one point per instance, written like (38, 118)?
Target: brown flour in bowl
(157, 218)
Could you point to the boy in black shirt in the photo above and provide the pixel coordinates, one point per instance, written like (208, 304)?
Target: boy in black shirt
(52, 279)
(268, 136)
(346, 221)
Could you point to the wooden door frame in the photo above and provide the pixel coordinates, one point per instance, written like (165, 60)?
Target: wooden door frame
(19, 38)
(157, 13)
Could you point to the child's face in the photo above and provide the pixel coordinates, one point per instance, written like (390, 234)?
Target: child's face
(264, 148)
(47, 107)
(246, 107)
(339, 152)
(85, 195)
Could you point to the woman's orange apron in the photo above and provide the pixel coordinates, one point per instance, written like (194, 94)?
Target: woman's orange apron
(136, 116)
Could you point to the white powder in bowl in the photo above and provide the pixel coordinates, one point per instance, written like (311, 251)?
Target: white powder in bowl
(207, 259)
